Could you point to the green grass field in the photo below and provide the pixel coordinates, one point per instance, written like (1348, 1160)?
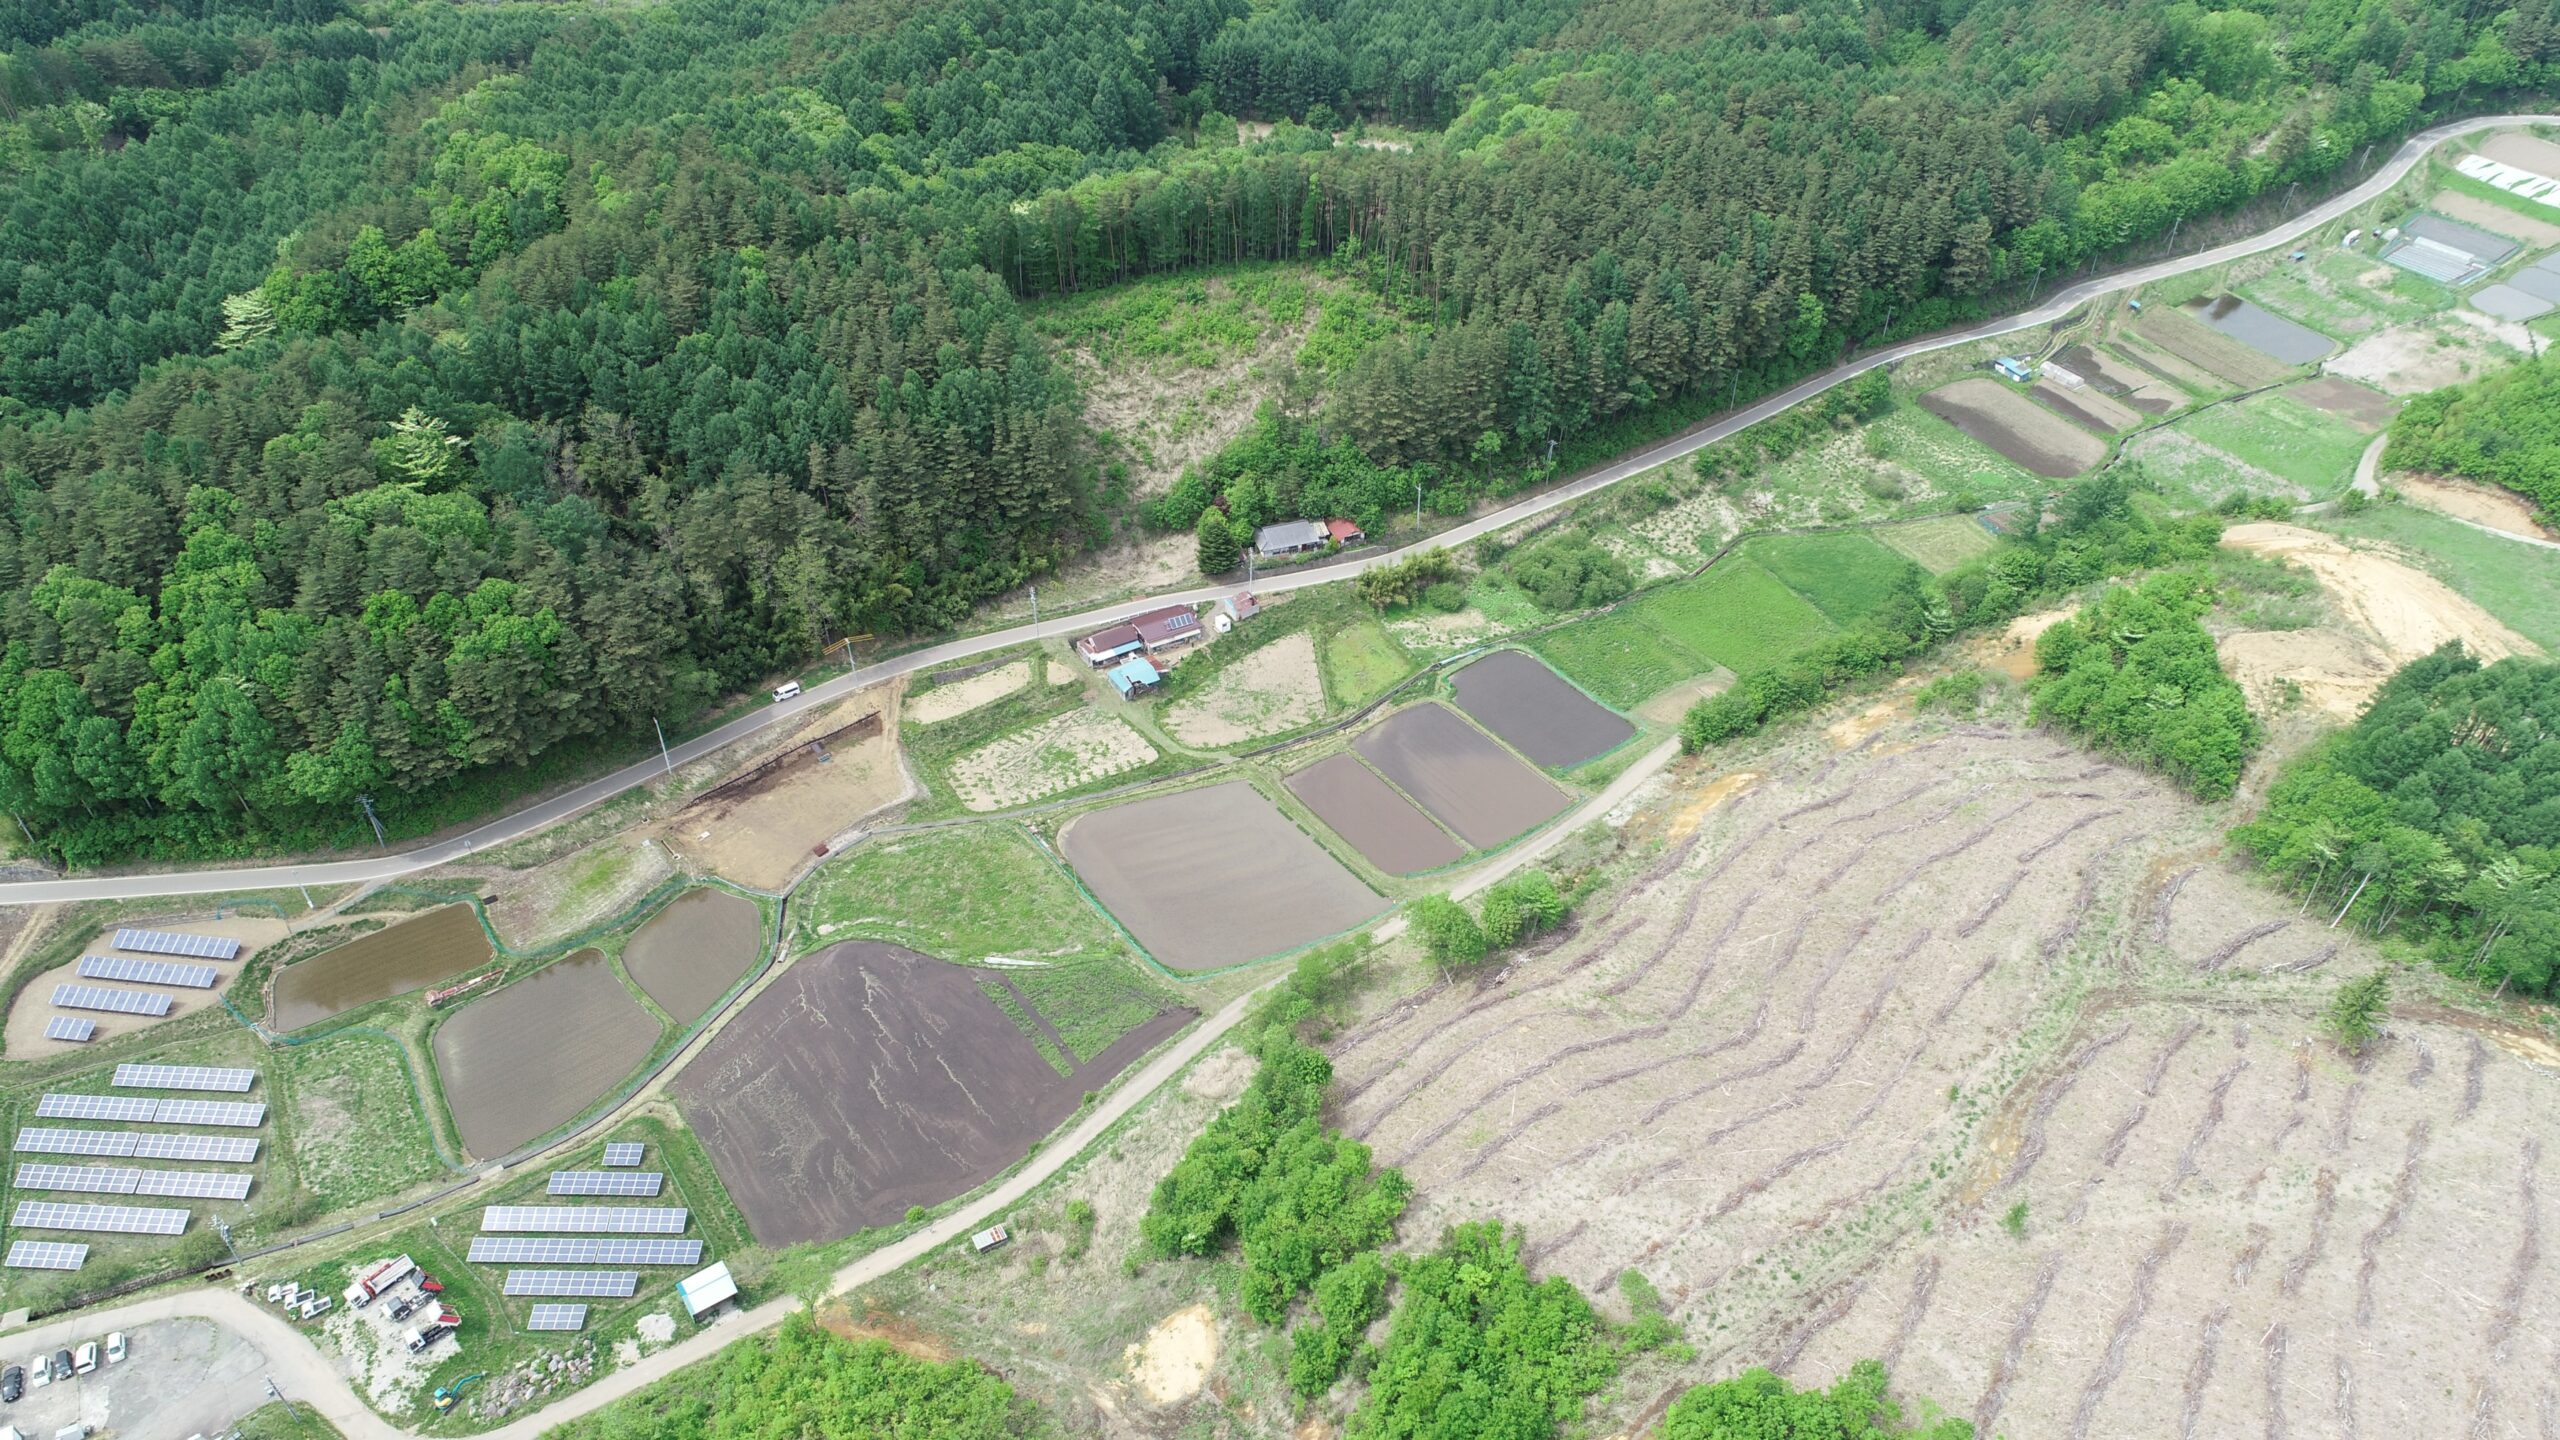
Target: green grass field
(959, 894)
(994, 989)
(1737, 614)
(2519, 584)
(355, 1127)
(1092, 1003)
(285, 1421)
(2283, 436)
(1360, 662)
(1617, 657)
(1941, 543)
(1848, 574)
(2328, 294)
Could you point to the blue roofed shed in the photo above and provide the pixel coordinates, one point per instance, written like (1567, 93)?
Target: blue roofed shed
(1134, 677)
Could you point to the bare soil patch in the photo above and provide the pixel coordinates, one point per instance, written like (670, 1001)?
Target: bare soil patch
(2400, 607)
(868, 1078)
(1467, 782)
(2332, 671)
(690, 953)
(2013, 651)
(2120, 378)
(2411, 359)
(1667, 707)
(2525, 152)
(533, 1056)
(2489, 505)
(1175, 1359)
(768, 823)
(2017, 427)
(568, 895)
(2369, 408)
(1214, 876)
(943, 702)
(1365, 810)
(394, 960)
(2087, 405)
(1277, 688)
(33, 1004)
(2489, 215)
(1060, 753)
(1536, 711)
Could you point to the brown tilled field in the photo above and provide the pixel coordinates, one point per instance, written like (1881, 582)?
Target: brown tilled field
(1800, 1070)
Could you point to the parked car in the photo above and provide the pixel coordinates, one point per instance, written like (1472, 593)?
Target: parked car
(86, 1360)
(13, 1383)
(115, 1346)
(61, 1364)
(39, 1373)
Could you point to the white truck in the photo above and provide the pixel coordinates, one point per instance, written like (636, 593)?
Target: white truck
(378, 1281)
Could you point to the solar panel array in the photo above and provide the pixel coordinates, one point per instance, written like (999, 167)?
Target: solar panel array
(622, 1153)
(248, 1114)
(114, 1002)
(120, 1219)
(95, 1179)
(185, 1077)
(124, 1180)
(606, 1182)
(587, 1219)
(558, 1317)
(225, 1149)
(58, 1106)
(169, 942)
(46, 1255)
(515, 1250)
(610, 1284)
(69, 1027)
(148, 972)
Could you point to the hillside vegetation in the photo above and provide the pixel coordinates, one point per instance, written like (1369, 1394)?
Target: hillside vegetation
(406, 401)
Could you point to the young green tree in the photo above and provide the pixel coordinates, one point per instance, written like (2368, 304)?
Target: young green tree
(1219, 548)
(2355, 1015)
(1449, 935)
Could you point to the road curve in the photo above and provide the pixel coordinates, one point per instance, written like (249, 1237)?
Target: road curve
(560, 807)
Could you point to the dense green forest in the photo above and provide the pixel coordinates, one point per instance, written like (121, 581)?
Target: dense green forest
(2503, 428)
(2435, 817)
(2135, 673)
(394, 397)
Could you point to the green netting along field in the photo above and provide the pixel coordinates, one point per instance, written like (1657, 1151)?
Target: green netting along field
(2285, 437)
(1847, 574)
(1737, 614)
(1941, 543)
(959, 894)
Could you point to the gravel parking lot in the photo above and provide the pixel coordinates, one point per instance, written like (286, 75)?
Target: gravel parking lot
(178, 1378)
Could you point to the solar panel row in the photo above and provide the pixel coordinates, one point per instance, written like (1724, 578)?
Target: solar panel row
(41, 1140)
(606, 1182)
(223, 1149)
(587, 1219)
(611, 1284)
(46, 1255)
(170, 942)
(185, 1077)
(557, 1317)
(119, 1219)
(69, 1027)
(127, 1180)
(57, 1106)
(149, 972)
(513, 1250)
(194, 1184)
(621, 1153)
(114, 1002)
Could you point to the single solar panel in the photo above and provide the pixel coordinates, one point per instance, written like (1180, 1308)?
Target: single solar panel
(587, 1219)
(170, 942)
(245, 1113)
(222, 1149)
(39, 1140)
(46, 1255)
(520, 1250)
(119, 1219)
(149, 972)
(185, 1077)
(621, 1153)
(70, 1027)
(558, 1317)
(88, 1179)
(606, 1182)
(192, 1184)
(133, 1108)
(114, 1002)
(610, 1284)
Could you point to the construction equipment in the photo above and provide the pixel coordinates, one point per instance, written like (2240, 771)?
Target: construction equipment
(447, 1395)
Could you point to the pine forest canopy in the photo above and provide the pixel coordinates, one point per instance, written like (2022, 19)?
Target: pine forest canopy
(397, 396)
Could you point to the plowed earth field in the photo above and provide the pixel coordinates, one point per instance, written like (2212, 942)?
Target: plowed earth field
(1799, 1071)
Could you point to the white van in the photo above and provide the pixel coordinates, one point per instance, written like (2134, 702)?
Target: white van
(786, 692)
(86, 1360)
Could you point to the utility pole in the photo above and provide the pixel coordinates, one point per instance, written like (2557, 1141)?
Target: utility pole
(367, 802)
(662, 745)
(2038, 285)
(1417, 504)
(1035, 612)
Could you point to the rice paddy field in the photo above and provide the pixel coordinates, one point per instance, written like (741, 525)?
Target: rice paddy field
(398, 958)
(688, 954)
(1940, 543)
(527, 1060)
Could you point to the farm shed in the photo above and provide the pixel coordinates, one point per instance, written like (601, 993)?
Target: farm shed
(707, 1290)
(1134, 677)
(1104, 646)
(1289, 537)
(1236, 609)
(1344, 532)
(1170, 628)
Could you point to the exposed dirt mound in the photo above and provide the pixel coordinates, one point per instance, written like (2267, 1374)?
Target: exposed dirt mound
(2334, 672)
(2480, 504)
(2403, 609)
(1174, 1361)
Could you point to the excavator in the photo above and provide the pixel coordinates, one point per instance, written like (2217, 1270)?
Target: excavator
(447, 1396)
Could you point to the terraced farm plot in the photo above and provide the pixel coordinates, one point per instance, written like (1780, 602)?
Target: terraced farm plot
(1940, 544)
(1214, 876)
(1737, 614)
(1360, 662)
(1536, 711)
(2261, 329)
(391, 961)
(2113, 375)
(1618, 657)
(969, 893)
(868, 1078)
(535, 1055)
(1467, 782)
(2367, 408)
(2220, 356)
(2086, 407)
(2284, 437)
(1848, 574)
(1058, 754)
(690, 953)
(1365, 810)
(959, 697)
(2017, 427)
(1276, 688)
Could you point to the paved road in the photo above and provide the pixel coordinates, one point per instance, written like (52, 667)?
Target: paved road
(560, 807)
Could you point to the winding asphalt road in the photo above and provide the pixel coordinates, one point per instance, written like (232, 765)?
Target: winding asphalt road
(560, 807)
(305, 1375)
